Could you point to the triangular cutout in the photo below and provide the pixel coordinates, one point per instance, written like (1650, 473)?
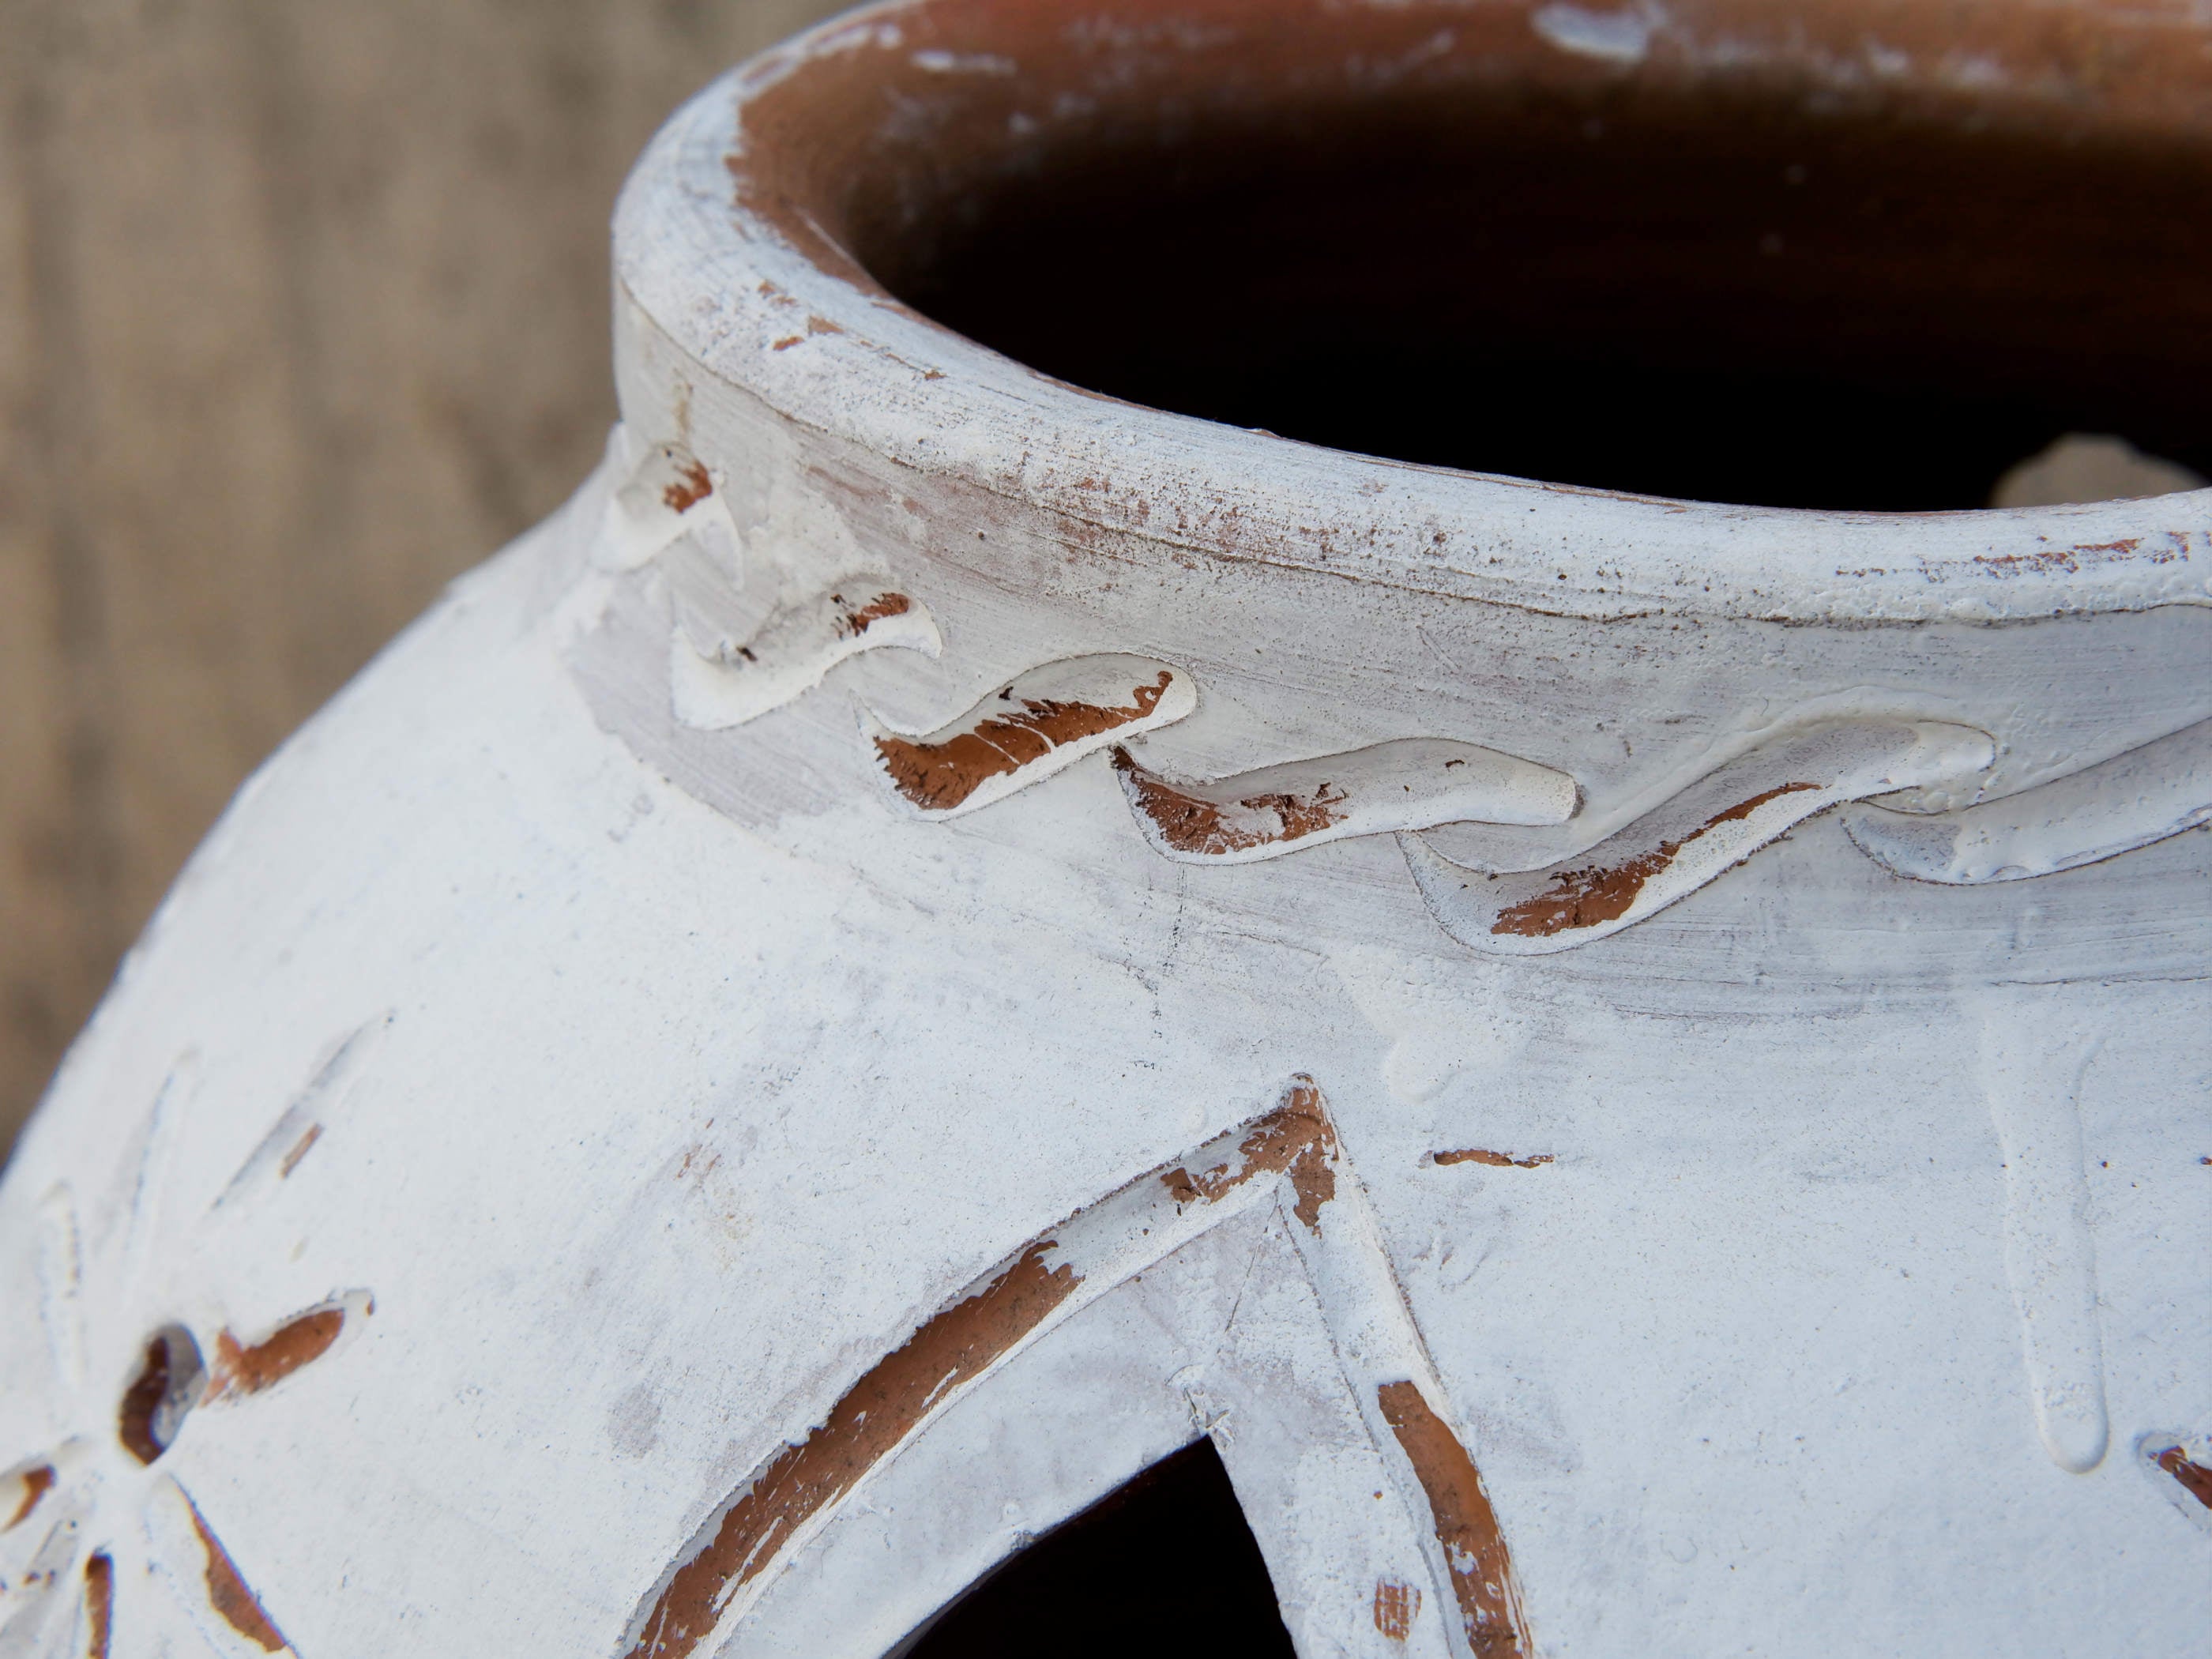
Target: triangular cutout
(1165, 1563)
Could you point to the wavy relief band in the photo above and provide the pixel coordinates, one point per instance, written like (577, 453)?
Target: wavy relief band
(1707, 829)
(1288, 1156)
(670, 493)
(2129, 801)
(1035, 726)
(1408, 784)
(795, 648)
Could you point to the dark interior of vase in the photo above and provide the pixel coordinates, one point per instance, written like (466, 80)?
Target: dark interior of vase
(1699, 293)
(1166, 1564)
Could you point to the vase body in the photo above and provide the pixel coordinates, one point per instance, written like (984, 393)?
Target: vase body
(932, 937)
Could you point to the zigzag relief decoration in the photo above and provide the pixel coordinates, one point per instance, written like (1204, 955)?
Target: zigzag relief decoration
(668, 493)
(795, 648)
(2132, 800)
(724, 671)
(1289, 1157)
(1709, 828)
(1039, 723)
(724, 667)
(1413, 783)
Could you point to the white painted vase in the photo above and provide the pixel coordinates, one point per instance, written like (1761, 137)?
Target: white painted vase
(1638, 1068)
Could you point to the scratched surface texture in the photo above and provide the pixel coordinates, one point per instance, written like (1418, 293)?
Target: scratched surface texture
(302, 311)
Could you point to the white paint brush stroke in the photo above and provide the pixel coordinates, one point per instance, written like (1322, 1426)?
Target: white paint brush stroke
(278, 1151)
(1707, 829)
(795, 648)
(1411, 783)
(2129, 801)
(2033, 1058)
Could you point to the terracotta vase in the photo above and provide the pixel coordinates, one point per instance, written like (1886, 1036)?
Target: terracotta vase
(963, 919)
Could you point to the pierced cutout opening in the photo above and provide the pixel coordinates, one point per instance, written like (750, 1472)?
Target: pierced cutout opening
(1165, 1564)
(162, 1395)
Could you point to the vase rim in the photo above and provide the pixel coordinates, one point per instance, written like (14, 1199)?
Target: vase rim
(727, 248)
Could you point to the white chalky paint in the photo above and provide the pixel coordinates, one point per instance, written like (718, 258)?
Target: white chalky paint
(716, 1067)
(2034, 1054)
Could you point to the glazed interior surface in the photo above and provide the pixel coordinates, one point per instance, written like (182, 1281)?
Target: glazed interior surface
(1717, 286)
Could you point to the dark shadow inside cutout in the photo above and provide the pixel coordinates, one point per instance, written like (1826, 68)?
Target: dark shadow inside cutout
(1164, 1565)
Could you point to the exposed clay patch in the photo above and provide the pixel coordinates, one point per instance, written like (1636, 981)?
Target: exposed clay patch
(1496, 1160)
(1396, 1607)
(1191, 825)
(1296, 1138)
(1585, 898)
(2196, 1479)
(938, 776)
(876, 1413)
(243, 1371)
(1591, 897)
(1404, 784)
(227, 1592)
(1467, 1527)
(134, 1421)
(815, 325)
(300, 1150)
(158, 1399)
(690, 486)
(853, 621)
(36, 1481)
(99, 1604)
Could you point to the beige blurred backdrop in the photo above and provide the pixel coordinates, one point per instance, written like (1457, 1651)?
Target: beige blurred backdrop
(303, 310)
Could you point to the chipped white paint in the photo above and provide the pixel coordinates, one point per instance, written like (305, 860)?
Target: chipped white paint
(663, 1055)
(1039, 723)
(668, 493)
(1705, 831)
(2178, 1468)
(1411, 784)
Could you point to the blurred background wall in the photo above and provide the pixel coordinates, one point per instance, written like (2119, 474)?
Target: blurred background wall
(303, 310)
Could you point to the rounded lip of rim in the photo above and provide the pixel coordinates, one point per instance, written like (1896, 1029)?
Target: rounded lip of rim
(877, 347)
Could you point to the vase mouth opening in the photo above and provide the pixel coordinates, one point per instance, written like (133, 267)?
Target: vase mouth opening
(1825, 260)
